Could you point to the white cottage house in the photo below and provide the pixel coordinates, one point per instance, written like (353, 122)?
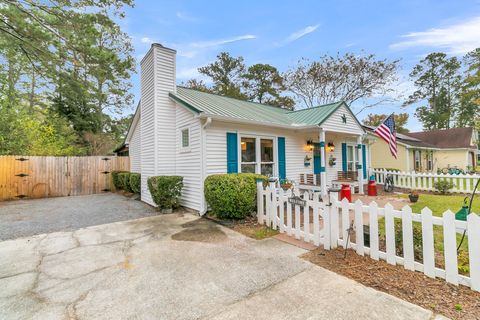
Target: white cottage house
(180, 131)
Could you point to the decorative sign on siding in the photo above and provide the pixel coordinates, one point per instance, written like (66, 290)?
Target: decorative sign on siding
(296, 200)
(344, 118)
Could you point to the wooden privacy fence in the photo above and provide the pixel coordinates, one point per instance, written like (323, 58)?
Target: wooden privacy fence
(40, 177)
(333, 223)
(463, 183)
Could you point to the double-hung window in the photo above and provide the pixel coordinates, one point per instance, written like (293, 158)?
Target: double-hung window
(417, 156)
(429, 160)
(352, 160)
(257, 155)
(185, 139)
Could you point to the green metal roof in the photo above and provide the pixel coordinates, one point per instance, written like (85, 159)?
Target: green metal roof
(225, 107)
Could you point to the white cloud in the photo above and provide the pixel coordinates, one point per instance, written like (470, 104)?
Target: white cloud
(146, 40)
(458, 38)
(300, 33)
(217, 43)
(185, 17)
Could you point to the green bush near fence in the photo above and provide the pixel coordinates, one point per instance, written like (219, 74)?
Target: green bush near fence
(166, 190)
(232, 196)
(135, 182)
(443, 186)
(124, 178)
(116, 179)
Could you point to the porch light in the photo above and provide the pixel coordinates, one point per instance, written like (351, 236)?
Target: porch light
(330, 147)
(309, 146)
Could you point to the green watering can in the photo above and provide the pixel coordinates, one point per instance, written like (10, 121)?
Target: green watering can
(463, 212)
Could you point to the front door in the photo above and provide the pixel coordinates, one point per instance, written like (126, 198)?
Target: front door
(317, 160)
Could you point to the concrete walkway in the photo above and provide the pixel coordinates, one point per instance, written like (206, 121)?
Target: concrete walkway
(177, 267)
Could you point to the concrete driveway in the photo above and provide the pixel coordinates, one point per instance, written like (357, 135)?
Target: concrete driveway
(176, 266)
(21, 218)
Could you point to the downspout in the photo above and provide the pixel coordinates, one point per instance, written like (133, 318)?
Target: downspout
(203, 205)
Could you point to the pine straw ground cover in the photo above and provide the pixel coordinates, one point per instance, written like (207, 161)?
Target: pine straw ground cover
(455, 302)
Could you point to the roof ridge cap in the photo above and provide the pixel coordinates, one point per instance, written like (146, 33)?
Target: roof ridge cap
(237, 99)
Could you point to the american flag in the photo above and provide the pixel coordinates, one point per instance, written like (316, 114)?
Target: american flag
(386, 131)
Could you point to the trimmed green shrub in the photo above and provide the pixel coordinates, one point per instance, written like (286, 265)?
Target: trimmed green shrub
(135, 182)
(124, 178)
(166, 190)
(443, 186)
(116, 179)
(232, 196)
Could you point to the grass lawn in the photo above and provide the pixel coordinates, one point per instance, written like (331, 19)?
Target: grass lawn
(439, 204)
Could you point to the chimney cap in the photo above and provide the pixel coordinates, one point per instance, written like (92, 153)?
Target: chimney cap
(163, 47)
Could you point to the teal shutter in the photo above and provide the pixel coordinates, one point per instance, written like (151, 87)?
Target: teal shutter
(232, 152)
(364, 161)
(317, 162)
(282, 165)
(344, 157)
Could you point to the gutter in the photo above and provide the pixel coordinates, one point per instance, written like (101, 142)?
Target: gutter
(203, 115)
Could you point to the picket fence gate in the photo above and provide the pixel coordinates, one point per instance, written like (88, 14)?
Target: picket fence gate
(328, 222)
(463, 183)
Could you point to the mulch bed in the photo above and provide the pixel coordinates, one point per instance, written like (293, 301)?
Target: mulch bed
(455, 302)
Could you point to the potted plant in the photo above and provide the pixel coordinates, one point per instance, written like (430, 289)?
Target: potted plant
(413, 196)
(286, 184)
(332, 161)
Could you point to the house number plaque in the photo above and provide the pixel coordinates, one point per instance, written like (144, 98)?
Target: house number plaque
(297, 201)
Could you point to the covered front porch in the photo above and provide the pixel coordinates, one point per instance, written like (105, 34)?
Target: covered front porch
(332, 159)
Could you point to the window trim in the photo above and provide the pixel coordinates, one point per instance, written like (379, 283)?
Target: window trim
(187, 148)
(355, 159)
(258, 156)
(415, 168)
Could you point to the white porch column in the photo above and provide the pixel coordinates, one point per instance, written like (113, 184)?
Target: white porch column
(323, 175)
(360, 164)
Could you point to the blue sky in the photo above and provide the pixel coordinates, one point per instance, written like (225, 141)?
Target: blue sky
(281, 32)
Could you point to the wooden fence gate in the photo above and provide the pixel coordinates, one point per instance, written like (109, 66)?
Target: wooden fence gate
(41, 177)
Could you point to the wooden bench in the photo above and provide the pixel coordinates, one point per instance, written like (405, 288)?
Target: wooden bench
(346, 177)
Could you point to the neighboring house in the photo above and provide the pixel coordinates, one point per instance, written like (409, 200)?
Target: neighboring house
(122, 150)
(180, 131)
(426, 151)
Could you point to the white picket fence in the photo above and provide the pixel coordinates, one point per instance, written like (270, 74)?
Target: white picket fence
(463, 183)
(328, 221)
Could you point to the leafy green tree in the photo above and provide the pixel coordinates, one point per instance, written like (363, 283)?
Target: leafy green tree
(264, 84)
(437, 81)
(66, 57)
(227, 75)
(401, 120)
(198, 85)
(468, 111)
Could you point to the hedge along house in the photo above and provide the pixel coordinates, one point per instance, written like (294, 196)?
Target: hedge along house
(180, 131)
(426, 151)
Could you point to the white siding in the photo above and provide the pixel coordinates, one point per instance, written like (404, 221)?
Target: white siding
(188, 160)
(165, 110)
(157, 116)
(147, 122)
(335, 123)
(134, 149)
(216, 147)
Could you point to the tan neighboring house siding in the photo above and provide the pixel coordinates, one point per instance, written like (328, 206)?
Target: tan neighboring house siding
(381, 157)
(445, 158)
